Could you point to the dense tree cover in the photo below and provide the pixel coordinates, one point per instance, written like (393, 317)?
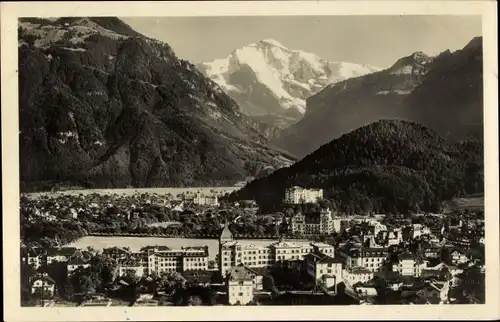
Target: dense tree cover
(122, 110)
(132, 216)
(386, 167)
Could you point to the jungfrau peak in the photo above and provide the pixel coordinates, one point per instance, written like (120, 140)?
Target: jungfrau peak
(267, 78)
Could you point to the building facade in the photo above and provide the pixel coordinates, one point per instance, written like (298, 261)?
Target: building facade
(240, 285)
(233, 253)
(313, 223)
(299, 195)
(200, 199)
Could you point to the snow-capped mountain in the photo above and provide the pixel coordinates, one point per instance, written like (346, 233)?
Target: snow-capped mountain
(267, 78)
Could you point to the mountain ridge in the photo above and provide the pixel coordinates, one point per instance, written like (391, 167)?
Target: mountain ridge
(267, 78)
(416, 88)
(390, 165)
(113, 108)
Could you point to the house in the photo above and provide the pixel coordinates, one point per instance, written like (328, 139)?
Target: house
(61, 254)
(33, 257)
(43, 285)
(200, 199)
(458, 258)
(132, 265)
(365, 289)
(200, 278)
(436, 292)
(409, 265)
(321, 266)
(116, 253)
(240, 285)
(75, 263)
(354, 274)
(354, 255)
(418, 230)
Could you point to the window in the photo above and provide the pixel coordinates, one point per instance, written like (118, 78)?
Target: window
(240, 294)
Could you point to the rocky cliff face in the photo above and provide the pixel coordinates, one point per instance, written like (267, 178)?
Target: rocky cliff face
(104, 106)
(443, 92)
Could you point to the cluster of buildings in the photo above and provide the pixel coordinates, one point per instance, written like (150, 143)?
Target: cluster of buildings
(299, 195)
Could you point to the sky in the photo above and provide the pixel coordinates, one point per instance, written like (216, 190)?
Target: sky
(375, 40)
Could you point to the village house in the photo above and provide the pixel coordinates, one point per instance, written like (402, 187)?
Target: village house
(240, 285)
(116, 253)
(131, 265)
(75, 263)
(43, 285)
(33, 257)
(418, 230)
(435, 292)
(458, 257)
(201, 199)
(62, 254)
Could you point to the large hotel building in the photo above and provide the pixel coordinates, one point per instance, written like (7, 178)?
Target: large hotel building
(233, 253)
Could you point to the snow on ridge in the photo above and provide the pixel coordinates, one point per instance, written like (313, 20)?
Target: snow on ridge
(290, 75)
(273, 42)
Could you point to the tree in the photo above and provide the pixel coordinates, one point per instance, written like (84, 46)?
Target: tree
(268, 282)
(194, 300)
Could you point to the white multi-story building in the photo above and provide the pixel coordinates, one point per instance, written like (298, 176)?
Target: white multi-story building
(418, 230)
(159, 259)
(355, 255)
(200, 199)
(313, 223)
(165, 259)
(233, 253)
(355, 274)
(409, 265)
(132, 265)
(299, 195)
(240, 285)
(324, 268)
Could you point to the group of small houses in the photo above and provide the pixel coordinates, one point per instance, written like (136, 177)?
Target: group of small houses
(244, 265)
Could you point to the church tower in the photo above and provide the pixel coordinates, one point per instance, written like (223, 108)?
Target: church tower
(224, 260)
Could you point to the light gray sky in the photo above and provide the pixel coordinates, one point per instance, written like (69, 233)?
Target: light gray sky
(376, 40)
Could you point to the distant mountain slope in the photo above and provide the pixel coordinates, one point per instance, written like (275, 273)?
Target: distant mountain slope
(268, 79)
(102, 105)
(443, 92)
(387, 166)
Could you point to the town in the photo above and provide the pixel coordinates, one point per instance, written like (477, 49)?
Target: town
(306, 254)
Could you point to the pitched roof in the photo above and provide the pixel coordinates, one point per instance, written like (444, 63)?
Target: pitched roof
(62, 251)
(77, 261)
(226, 233)
(240, 273)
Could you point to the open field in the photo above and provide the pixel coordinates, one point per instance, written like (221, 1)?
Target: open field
(132, 191)
(472, 203)
(136, 243)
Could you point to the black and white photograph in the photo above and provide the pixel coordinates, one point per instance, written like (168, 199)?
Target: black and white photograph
(250, 160)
